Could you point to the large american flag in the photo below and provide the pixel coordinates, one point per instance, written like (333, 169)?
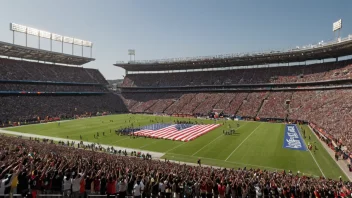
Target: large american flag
(180, 132)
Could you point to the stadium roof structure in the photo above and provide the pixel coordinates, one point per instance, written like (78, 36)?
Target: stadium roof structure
(18, 51)
(334, 49)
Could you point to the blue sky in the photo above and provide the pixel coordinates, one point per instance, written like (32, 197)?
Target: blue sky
(180, 28)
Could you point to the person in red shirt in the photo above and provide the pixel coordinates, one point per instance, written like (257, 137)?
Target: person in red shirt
(97, 184)
(316, 193)
(36, 182)
(82, 188)
(209, 189)
(111, 187)
(203, 188)
(221, 189)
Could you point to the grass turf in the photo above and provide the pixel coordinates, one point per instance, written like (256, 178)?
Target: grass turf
(255, 144)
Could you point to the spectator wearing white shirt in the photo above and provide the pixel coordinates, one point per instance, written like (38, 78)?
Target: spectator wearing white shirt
(138, 189)
(66, 186)
(162, 189)
(76, 181)
(122, 188)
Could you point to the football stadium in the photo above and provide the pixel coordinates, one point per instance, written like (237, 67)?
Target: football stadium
(263, 124)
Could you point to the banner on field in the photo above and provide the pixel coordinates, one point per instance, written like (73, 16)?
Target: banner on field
(293, 139)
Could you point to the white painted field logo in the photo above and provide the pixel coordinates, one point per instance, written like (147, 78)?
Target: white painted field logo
(293, 139)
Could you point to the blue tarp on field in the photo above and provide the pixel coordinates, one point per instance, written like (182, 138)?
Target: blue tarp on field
(293, 139)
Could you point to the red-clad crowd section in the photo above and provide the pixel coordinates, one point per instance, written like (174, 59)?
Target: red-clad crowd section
(42, 168)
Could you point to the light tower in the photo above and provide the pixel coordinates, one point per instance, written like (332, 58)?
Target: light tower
(51, 36)
(336, 27)
(132, 52)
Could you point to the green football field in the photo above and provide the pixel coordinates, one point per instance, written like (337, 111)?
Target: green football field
(255, 144)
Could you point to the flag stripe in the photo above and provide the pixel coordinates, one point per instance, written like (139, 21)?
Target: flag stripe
(177, 132)
(160, 132)
(150, 132)
(172, 136)
(203, 128)
(185, 132)
(200, 133)
(164, 134)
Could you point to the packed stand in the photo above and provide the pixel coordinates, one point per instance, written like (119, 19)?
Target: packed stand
(276, 105)
(163, 103)
(287, 74)
(51, 87)
(251, 104)
(195, 102)
(145, 102)
(84, 90)
(45, 168)
(236, 103)
(177, 106)
(330, 110)
(207, 105)
(33, 71)
(225, 101)
(22, 108)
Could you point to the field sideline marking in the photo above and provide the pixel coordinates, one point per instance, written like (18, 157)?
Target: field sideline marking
(310, 151)
(321, 143)
(122, 139)
(215, 140)
(316, 163)
(243, 142)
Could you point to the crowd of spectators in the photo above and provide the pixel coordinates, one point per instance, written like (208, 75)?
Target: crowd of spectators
(148, 100)
(51, 87)
(197, 100)
(33, 71)
(35, 167)
(163, 103)
(330, 110)
(286, 74)
(179, 103)
(276, 105)
(208, 104)
(225, 100)
(251, 105)
(22, 108)
(235, 103)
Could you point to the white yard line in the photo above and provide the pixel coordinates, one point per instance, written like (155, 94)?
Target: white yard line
(243, 142)
(122, 139)
(174, 147)
(316, 163)
(213, 141)
(208, 144)
(345, 171)
(299, 133)
(149, 144)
